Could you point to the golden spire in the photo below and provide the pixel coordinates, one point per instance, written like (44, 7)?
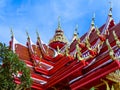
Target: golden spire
(110, 10)
(12, 34)
(59, 26)
(75, 36)
(76, 31)
(93, 20)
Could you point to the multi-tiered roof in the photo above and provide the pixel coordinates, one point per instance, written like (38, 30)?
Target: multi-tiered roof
(89, 62)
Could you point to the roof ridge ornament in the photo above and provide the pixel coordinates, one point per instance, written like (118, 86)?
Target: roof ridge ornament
(111, 52)
(93, 20)
(11, 31)
(27, 35)
(75, 35)
(59, 25)
(38, 36)
(110, 10)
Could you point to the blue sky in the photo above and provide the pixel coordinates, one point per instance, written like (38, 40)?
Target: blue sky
(42, 15)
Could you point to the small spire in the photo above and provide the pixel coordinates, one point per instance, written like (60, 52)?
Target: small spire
(76, 30)
(37, 34)
(110, 10)
(12, 34)
(59, 26)
(93, 19)
(27, 35)
(75, 35)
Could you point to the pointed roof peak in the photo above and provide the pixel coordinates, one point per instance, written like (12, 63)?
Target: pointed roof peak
(59, 25)
(110, 10)
(93, 20)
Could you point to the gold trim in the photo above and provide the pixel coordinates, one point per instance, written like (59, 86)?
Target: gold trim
(116, 39)
(111, 52)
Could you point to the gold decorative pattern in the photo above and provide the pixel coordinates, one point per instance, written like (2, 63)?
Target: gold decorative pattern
(59, 35)
(111, 52)
(87, 42)
(58, 50)
(98, 32)
(106, 83)
(67, 51)
(114, 77)
(116, 39)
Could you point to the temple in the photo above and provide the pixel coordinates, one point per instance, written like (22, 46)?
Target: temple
(89, 62)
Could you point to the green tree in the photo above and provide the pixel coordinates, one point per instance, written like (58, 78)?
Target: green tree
(10, 67)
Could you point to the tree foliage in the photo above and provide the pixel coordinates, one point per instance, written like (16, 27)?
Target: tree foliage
(10, 67)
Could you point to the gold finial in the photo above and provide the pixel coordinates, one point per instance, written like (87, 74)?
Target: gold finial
(76, 32)
(59, 26)
(110, 11)
(11, 32)
(93, 19)
(75, 35)
(111, 52)
(116, 39)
